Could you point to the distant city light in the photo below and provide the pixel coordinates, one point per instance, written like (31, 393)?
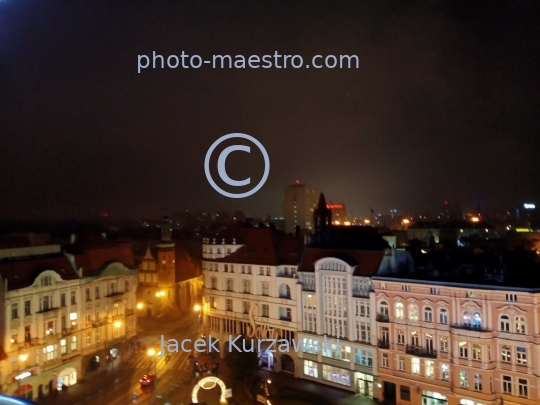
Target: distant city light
(406, 221)
(523, 230)
(475, 219)
(528, 206)
(346, 223)
(139, 305)
(337, 222)
(366, 221)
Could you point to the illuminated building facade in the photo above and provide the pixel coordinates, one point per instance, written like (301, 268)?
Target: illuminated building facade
(61, 311)
(250, 285)
(445, 342)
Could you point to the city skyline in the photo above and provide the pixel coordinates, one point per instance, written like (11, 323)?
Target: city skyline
(443, 106)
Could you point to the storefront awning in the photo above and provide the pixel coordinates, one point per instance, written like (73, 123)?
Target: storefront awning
(23, 389)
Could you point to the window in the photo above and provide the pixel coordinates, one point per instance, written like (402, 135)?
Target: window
(265, 310)
(400, 311)
(88, 294)
(228, 305)
(467, 318)
(444, 343)
(49, 352)
(477, 352)
(63, 299)
(443, 316)
(521, 356)
(506, 354)
(232, 265)
(463, 350)
(405, 392)
(45, 281)
(428, 314)
(385, 360)
(507, 384)
(477, 320)
(27, 307)
(247, 287)
(520, 325)
(445, 372)
(464, 379)
(434, 291)
(14, 311)
(414, 339)
(229, 284)
(213, 283)
(268, 271)
(336, 375)
(73, 343)
(415, 365)
(383, 308)
(470, 294)
(96, 293)
(226, 268)
(261, 271)
(73, 297)
(63, 346)
(363, 357)
(430, 369)
(265, 287)
(511, 297)
(245, 307)
(413, 312)
(310, 368)
(88, 339)
(213, 302)
(505, 323)
(401, 363)
(400, 337)
(243, 269)
(523, 389)
(126, 286)
(249, 270)
(406, 288)
(478, 382)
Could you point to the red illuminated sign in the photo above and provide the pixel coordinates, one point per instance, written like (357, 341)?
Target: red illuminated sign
(334, 206)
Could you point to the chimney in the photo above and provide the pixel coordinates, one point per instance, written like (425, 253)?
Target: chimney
(72, 239)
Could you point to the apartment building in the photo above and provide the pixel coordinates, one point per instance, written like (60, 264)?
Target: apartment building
(61, 311)
(444, 339)
(249, 289)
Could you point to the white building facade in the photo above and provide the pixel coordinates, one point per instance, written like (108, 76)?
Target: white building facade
(251, 292)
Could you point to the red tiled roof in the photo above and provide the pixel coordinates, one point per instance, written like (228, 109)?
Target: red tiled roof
(267, 246)
(93, 253)
(185, 267)
(367, 261)
(22, 273)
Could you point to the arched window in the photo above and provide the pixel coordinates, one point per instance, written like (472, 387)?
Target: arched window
(284, 291)
(520, 324)
(413, 312)
(428, 314)
(477, 320)
(400, 311)
(505, 323)
(443, 316)
(383, 308)
(467, 319)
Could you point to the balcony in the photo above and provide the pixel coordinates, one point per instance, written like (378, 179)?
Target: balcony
(310, 288)
(286, 274)
(285, 318)
(383, 344)
(47, 309)
(114, 294)
(473, 328)
(421, 351)
(361, 293)
(383, 318)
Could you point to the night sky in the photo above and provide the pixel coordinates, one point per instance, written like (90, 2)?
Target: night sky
(444, 105)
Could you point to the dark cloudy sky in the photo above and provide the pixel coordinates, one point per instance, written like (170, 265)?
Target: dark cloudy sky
(444, 105)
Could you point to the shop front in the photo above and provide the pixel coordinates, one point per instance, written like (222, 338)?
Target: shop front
(66, 378)
(433, 398)
(22, 384)
(364, 384)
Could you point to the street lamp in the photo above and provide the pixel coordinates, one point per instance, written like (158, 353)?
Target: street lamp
(140, 305)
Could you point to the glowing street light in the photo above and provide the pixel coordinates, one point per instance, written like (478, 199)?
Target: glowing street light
(366, 221)
(140, 305)
(160, 294)
(197, 307)
(406, 221)
(117, 324)
(475, 219)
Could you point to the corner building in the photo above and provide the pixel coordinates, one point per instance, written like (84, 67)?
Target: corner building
(249, 290)
(456, 342)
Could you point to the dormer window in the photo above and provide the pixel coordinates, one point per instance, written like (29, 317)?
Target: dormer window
(46, 281)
